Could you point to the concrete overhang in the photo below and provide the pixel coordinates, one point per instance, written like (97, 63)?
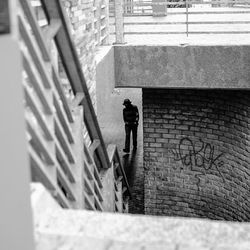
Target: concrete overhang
(160, 66)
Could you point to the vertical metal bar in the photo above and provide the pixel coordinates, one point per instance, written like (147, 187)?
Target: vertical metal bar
(187, 17)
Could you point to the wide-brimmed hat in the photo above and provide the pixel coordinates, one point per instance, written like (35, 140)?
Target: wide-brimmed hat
(126, 101)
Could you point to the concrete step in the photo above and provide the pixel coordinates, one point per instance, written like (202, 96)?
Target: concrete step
(56, 228)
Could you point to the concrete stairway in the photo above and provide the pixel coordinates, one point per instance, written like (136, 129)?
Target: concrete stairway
(56, 228)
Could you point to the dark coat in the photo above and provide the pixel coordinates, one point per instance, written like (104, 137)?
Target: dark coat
(131, 115)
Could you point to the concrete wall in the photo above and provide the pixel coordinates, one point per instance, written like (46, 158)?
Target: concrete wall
(182, 67)
(197, 153)
(109, 114)
(16, 225)
(110, 99)
(105, 78)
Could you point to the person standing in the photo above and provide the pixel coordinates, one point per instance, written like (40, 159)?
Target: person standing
(131, 119)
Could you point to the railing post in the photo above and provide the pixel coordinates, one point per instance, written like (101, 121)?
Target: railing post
(119, 21)
(77, 127)
(16, 216)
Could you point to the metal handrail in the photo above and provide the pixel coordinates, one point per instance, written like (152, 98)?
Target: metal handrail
(114, 157)
(57, 136)
(71, 63)
(189, 9)
(169, 3)
(120, 178)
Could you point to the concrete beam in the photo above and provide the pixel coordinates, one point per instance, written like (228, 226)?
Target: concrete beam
(224, 67)
(16, 225)
(16, 221)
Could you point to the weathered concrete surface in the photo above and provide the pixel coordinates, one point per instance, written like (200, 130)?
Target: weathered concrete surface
(61, 229)
(182, 66)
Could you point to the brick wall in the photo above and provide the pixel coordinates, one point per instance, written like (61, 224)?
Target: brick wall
(83, 28)
(197, 153)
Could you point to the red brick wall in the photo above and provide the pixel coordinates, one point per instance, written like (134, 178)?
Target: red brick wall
(197, 153)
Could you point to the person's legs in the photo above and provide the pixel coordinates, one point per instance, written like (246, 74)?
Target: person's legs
(134, 133)
(127, 138)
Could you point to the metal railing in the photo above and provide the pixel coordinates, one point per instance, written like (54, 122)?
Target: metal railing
(58, 109)
(184, 17)
(121, 186)
(141, 7)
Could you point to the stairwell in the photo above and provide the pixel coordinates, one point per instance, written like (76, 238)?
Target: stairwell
(70, 154)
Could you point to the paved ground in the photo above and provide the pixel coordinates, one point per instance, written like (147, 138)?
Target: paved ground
(114, 132)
